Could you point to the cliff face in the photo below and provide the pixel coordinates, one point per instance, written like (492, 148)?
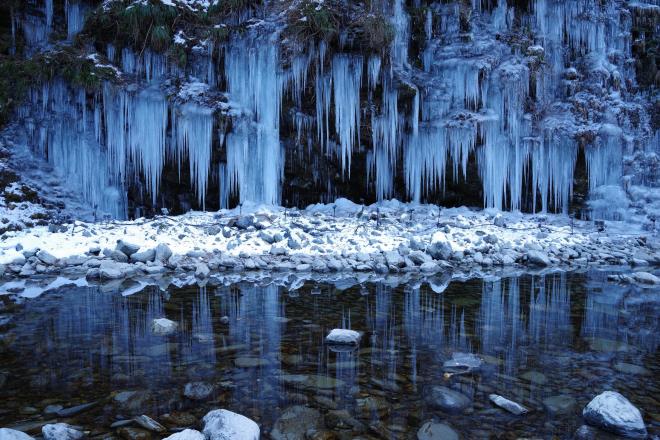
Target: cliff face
(539, 105)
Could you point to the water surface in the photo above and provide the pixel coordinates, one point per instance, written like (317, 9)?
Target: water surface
(559, 338)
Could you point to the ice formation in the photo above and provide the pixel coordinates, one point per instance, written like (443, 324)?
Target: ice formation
(513, 110)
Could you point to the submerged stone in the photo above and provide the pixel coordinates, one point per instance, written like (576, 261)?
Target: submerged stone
(436, 431)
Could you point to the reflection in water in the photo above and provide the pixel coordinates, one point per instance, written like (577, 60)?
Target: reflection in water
(262, 347)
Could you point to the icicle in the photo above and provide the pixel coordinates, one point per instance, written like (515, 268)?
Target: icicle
(384, 134)
(74, 18)
(374, 71)
(147, 128)
(194, 131)
(254, 154)
(48, 9)
(347, 80)
(401, 23)
(322, 91)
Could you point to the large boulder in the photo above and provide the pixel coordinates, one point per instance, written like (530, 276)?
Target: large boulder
(440, 248)
(163, 326)
(163, 253)
(144, 256)
(46, 257)
(436, 431)
(61, 431)
(221, 424)
(537, 258)
(127, 248)
(186, 434)
(12, 434)
(613, 412)
(343, 336)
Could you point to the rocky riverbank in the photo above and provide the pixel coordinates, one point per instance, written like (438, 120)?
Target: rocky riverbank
(388, 238)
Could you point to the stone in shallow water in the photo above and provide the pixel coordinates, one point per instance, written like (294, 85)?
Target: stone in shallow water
(626, 368)
(198, 390)
(463, 362)
(436, 431)
(534, 377)
(613, 412)
(250, 362)
(186, 434)
(61, 431)
(295, 422)
(509, 405)
(12, 434)
(447, 399)
(128, 433)
(163, 326)
(148, 423)
(221, 424)
(343, 336)
(561, 404)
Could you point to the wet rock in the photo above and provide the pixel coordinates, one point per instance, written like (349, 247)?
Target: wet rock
(509, 405)
(46, 257)
(534, 377)
(118, 256)
(343, 337)
(128, 433)
(462, 363)
(394, 258)
(61, 431)
(73, 410)
(371, 406)
(198, 390)
(586, 432)
(176, 418)
(613, 412)
(537, 258)
(186, 434)
(145, 256)
(559, 405)
(221, 424)
(51, 410)
(436, 431)
(447, 399)
(342, 419)
(163, 326)
(12, 434)
(162, 253)
(149, 424)
(429, 267)
(127, 248)
(636, 370)
(132, 401)
(295, 422)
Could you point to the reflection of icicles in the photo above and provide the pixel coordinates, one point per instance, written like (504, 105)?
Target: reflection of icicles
(550, 313)
(201, 346)
(347, 79)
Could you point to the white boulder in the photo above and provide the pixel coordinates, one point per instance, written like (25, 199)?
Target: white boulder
(186, 434)
(343, 336)
(12, 434)
(221, 424)
(61, 431)
(613, 412)
(163, 326)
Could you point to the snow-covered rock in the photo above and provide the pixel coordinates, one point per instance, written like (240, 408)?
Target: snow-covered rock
(46, 257)
(509, 405)
(61, 431)
(441, 247)
(110, 271)
(202, 270)
(186, 434)
(221, 424)
(613, 412)
(163, 326)
(12, 434)
(163, 252)
(343, 336)
(127, 248)
(645, 278)
(144, 256)
(537, 258)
